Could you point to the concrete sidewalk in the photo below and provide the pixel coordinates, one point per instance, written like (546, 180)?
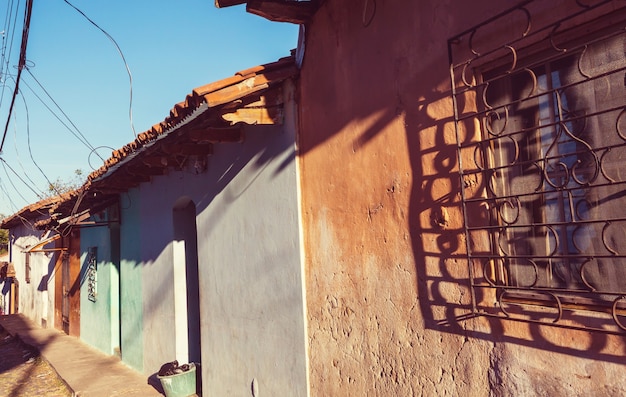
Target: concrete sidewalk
(89, 372)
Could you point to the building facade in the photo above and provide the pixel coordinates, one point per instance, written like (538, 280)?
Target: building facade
(424, 200)
(442, 256)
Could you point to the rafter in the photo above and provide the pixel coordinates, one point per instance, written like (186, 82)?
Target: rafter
(298, 12)
(272, 115)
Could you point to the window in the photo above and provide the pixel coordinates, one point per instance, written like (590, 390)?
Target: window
(546, 225)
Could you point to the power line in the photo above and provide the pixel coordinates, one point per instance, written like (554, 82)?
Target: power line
(119, 50)
(87, 144)
(7, 28)
(5, 164)
(8, 40)
(24, 221)
(19, 161)
(50, 184)
(6, 193)
(30, 152)
(20, 66)
(78, 134)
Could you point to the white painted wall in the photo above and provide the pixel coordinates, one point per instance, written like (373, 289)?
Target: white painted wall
(251, 294)
(36, 298)
(180, 301)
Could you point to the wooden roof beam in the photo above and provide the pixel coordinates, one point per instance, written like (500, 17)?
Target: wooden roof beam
(228, 3)
(298, 12)
(255, 116)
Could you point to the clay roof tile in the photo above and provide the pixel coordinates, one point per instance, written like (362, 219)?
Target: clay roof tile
(243, 83)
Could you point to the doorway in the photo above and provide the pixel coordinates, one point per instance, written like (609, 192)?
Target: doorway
(67, 284)
(187, 287)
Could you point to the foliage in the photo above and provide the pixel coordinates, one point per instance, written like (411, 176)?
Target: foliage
(60, 185)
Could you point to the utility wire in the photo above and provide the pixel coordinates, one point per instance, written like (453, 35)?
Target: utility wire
(15, 209)
(78, 134)
(130, 77)
(30, 152)
(24, 221)
(17, 154)
(8, 196)
(7, 28)
(5, 164)
(20, 66)
(50, 184)
(57, 116)
(80, 138)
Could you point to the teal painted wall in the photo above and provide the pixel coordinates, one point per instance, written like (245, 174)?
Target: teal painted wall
(99, 321)
(131, 285)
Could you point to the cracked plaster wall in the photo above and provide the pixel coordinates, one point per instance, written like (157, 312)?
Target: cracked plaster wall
(36, 297)
(382, 224)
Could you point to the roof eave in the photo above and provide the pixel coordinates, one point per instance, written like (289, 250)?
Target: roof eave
(291, 11)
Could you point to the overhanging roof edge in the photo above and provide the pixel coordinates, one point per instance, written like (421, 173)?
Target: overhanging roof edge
(111, 170)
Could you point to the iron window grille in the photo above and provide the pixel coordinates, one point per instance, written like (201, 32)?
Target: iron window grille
(92, 274)
(540, 117)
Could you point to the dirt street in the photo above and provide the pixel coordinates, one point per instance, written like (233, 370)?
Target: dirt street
(23, 372)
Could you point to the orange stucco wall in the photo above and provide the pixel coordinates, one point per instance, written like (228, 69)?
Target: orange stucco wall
(385, 277)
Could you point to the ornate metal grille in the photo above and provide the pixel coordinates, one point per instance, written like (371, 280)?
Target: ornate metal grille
(540, 115)
(92, 273)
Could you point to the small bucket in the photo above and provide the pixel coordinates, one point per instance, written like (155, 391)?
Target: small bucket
(180, 385)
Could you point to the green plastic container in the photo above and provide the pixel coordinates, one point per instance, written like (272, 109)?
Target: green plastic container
(180, 385)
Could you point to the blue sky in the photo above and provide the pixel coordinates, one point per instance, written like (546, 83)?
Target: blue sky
(170, 48)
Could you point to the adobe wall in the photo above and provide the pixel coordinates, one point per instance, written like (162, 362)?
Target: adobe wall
(386, 283)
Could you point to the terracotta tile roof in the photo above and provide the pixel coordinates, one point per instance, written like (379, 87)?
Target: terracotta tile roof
(37, 210)
(242, 84)
(207, 109)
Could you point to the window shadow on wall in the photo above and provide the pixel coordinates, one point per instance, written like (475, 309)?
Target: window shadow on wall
(443, 275)
(379, 81)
